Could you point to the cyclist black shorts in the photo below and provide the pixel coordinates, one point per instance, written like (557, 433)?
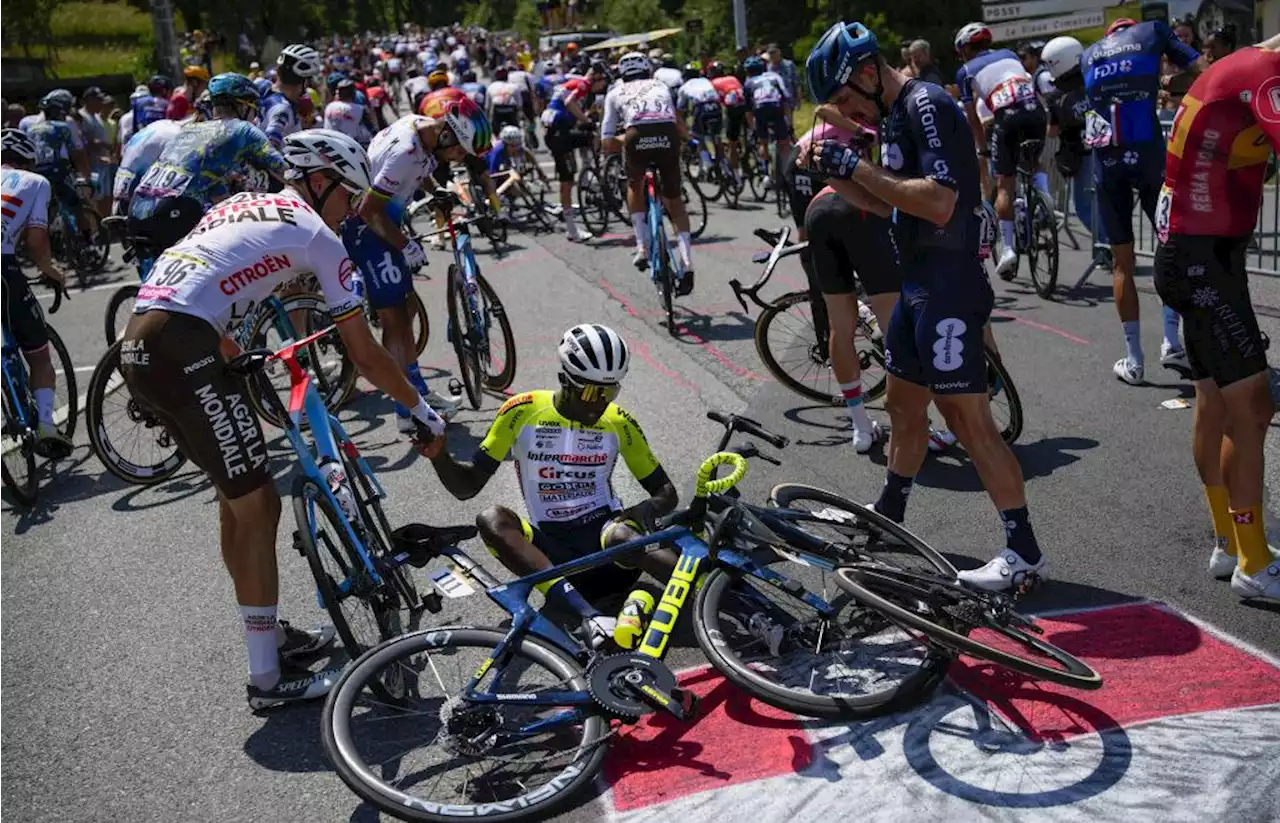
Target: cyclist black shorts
(802, 186)
(23, 316)
(505, 116)
(1013, 125)
(771, 124)
(734, 116)
(653, 144)
(174, 369)
(844, 240)
(584, 536)
(1117, 174)
(1204, 280)
(62, 182)
(708, 121)
(163, 224)
(562, 142)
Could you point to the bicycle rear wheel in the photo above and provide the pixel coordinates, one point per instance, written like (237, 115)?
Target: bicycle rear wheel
(66, 403)
(364, 611)
(615, 182)
(119, 310)
(787, 343)
(695, 205)
(465, 337)
(593, 207)
(1042, 246)
(1006, 406)
(19, 455)
(131, 442)
(421, 322)
(505, 762)
(498, 358)
(946, 612)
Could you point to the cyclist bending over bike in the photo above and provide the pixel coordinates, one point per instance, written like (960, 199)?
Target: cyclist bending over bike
(699, 100)
(240, 252)
(569, 129)
(26, 208)
(642, 107)
(934, 342)
(566, 443)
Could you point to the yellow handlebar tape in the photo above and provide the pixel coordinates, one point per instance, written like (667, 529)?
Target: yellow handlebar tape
(706, 485)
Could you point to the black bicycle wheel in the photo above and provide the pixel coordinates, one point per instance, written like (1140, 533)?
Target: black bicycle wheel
(763, 637)
(787, 343)
(593, 205)
(498, 360)
(95, 253)
(731, 184)
(326, 358)
(946, 612)
(396, 757)
(851, 531)
(66, 402)
(706, 176)
(1042, 246)
(119, 310)
(19, 450)
(378, 533)
(615, 181)
(1006, 406)
(751, 172)
(421, 322)
(130, 441)
(695, 205)
(464, 336)
(364, 612)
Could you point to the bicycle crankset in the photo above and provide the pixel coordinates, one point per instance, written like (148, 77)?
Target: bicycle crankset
(630, 686)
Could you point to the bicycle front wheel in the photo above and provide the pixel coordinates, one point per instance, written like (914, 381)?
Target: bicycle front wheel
(131, 442)
(593, 205)
(465, 336)
(1006, 406)
(440, 757)
(788, 345)
(119, 310)
(66, 404)
(946, 612)
(19, 444)
(695, 205)
(420, 321)
(498, 359)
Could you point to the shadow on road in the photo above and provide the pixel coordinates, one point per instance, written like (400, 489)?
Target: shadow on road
(952, 470)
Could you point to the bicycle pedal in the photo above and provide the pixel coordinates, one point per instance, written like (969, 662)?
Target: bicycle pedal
(297, 543)
(1029, 582)
(455, 386)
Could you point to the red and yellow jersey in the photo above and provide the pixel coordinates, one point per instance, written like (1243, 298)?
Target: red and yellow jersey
(434, 103)
(1222, 137)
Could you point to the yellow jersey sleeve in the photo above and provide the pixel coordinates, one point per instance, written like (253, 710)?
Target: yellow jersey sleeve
(632, 444)
(512, 417)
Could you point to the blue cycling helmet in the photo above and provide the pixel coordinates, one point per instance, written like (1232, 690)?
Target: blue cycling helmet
(753, 66)
(263, 85)
(229, 88)
(837, 54)
(54, 105)
(334, 78)
(461, 64)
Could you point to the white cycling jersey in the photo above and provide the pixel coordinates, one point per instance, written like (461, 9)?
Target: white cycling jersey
(393, 65)
(140, 153)
(523, 81)
(503, 93)
(24, 201)
(996, 77)
(671, 78)
(634, 103)
(415, 86)
(240, 251)
(696, 92)
(398, 161)
(347, 118)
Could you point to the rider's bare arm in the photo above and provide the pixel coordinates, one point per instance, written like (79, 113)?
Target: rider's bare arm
(375, 362)
(464, 480)
(921, 196)
(39, 252)
(373, 210)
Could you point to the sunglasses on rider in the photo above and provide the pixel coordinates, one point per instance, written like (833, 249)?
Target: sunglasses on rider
(590, 393)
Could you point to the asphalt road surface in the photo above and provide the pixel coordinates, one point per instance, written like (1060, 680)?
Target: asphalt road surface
(124, 665)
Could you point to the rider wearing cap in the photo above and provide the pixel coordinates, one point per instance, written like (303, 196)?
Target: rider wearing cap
(565, 444)
(173, 364)
(1122, 82)
(403, 158)
(934, 342)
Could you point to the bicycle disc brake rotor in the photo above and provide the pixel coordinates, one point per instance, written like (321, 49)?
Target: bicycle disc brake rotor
(615, 684)
(468, 730)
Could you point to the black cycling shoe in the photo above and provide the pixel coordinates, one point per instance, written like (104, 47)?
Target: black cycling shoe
(295, 686)
(52, 444)
(685, 287)
(303, 642)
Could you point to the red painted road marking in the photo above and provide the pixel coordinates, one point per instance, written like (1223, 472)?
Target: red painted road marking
(1153, 662)
(1022, 321)
(736, 740)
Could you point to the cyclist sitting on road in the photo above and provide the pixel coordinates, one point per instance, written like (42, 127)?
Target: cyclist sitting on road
(279, 106)
(507, 155)
(205, 163)
(641, 107)
(996, 76)
(734, 100)
(404, 157)
(569, 129)
(241, 251)
(934, 341)
(566, 444)
(768, 99)
(1122, 81)
(26, 208)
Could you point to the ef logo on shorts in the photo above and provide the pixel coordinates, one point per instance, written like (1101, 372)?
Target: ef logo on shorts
(948, 349)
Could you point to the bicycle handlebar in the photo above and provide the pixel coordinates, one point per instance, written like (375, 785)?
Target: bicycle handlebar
(59, 291)
(734, 422)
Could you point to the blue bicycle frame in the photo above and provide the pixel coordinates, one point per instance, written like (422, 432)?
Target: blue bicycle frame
(658, 246)
(465, 258)
(15, 381)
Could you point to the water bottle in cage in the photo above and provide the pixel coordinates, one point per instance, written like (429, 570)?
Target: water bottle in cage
(336, 479)
(632, 619)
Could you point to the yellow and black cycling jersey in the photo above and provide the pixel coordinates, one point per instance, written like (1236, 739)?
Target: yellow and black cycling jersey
(564, 466)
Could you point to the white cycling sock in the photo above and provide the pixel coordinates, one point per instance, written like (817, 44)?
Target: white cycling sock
(685, 243)
(260, 642)
(570, 228)
(1006, 233)
(640, 222)
(44, 405)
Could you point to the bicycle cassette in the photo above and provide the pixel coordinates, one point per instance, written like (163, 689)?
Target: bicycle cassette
(629, 686)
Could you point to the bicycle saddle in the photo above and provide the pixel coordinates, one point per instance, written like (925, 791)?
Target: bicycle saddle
(422, 542)
(248, 362)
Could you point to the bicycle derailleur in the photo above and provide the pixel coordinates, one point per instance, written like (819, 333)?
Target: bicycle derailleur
(629, 686)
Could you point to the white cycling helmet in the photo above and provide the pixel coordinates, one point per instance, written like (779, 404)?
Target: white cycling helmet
(972, 33)
(300, 59)
(595, 354)
(511, 136)
(16, 141)
(634, 65)
(318, 149)
(1061, 55)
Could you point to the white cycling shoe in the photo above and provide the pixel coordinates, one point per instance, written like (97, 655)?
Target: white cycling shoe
(1221, 564)
(1265, 585)
(578, 236)
(1128, 371)
(1005, 571)
(864, 440)
(1007, 268)
(1175, 359)
(940, 440)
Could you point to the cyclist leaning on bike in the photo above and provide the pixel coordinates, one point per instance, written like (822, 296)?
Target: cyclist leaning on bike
(700, 102)
(241, 251)
(569, 129)
(642, 108)
(934, 341)
(24, 207)
(566, 443)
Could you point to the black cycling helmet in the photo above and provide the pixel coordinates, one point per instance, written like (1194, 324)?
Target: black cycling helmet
(500, 73)
(691, 70)
(715, 69)
(468, 76)
(158, 82)
(16, 146)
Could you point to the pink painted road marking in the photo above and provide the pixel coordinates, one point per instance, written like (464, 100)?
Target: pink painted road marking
(1022, 321)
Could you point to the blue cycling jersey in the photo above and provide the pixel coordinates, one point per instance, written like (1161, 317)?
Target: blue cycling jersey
(476, 91)
(54, 141)
(1122, 81)
(498, 159)
(767, 89)
(926, 135)
(279, 117)
(206, 162)
(147, 110)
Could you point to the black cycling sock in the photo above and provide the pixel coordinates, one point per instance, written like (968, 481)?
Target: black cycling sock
(563, 592)
(1019, 536)
(893, 497)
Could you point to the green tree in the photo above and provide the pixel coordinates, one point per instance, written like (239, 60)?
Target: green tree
(26, 25)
